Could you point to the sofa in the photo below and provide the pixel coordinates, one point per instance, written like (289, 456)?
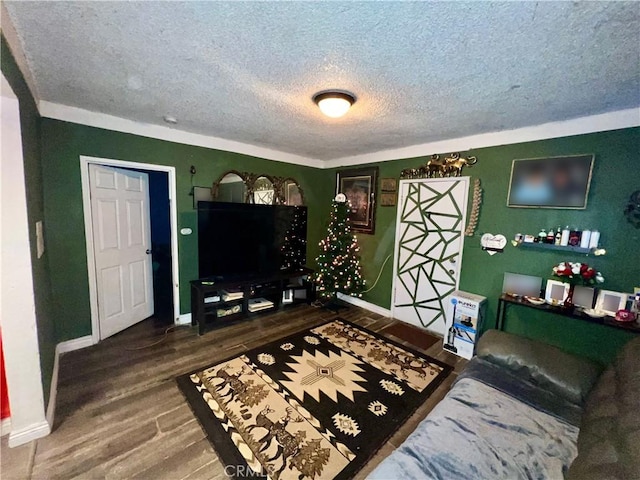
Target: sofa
(524, 409)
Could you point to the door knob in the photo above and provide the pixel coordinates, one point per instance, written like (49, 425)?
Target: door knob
(452, 260)
(148, 252)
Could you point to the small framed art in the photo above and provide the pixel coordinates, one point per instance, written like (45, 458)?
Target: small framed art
(610, 302)
(556, 292)
(388, 199)
(388, 184)
(201, 194)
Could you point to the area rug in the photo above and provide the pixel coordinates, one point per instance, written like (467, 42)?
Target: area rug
(314, 405)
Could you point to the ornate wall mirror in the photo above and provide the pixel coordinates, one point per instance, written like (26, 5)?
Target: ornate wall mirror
(231, 187)
(263, 191)
(292, 193)
(245, 187)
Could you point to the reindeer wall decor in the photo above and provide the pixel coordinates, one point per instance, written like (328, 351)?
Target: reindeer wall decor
(436, 167)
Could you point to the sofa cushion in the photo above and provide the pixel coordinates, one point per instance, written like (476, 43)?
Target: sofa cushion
(478, 432)
(567, 375)
(609, 439)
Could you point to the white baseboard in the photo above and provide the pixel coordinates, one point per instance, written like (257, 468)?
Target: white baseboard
(184, 319)
(74, 344)
(62, 347)
(53, 390)
(372, 307)
(5, 426)
(33, 432)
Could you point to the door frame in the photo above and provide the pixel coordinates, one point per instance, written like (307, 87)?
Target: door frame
(88, 230)
(396, 251)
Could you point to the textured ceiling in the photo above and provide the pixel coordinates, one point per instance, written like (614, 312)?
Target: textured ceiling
(422, 72)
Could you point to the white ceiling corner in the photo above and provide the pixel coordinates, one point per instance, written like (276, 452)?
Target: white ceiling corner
(9, 32)
(240, 76)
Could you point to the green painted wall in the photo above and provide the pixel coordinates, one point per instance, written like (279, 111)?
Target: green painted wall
(64, 143)
(615, 177)
(30, 123)
(52, 149)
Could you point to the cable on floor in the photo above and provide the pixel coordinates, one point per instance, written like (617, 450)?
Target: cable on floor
(157, 342)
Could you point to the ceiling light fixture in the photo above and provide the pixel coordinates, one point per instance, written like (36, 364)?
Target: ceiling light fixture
(169, 119)
(334, 103)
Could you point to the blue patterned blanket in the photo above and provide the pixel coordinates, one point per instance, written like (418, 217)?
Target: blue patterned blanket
(479, 432)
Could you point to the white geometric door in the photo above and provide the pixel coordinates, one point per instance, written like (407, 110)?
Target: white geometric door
(428, 250)
(122, 247)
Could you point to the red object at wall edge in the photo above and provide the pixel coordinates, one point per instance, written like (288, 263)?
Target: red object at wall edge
(5, 412)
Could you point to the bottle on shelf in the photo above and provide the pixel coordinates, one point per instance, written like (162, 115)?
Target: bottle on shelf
(551, 237)
(564, 238)
(595, 239)
(586, 238)
(558, 238)
(542, 236)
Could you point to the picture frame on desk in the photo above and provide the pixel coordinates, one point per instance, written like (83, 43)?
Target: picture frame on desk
(556, 292)
(583, 296)
(610, 302)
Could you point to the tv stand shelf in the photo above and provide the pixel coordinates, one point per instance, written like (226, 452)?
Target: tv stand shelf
(270, 287)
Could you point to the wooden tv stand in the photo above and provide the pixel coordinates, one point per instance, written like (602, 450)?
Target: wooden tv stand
(207, 297)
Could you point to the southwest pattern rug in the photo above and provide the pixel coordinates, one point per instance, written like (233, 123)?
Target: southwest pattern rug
(314, 405)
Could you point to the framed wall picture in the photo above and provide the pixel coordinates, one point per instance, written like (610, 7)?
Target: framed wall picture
(388, 184)
(388, 199)
(359, 186)
(610, 302)
(554, 182)
(201, 194)
(556, 292)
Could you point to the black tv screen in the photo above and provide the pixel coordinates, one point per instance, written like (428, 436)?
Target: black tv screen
(240, 240)
(555, 182)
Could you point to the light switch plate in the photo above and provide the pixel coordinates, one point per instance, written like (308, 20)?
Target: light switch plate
(39, 239)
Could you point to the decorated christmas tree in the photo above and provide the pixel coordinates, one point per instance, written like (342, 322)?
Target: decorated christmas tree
(294, 245)
(339, 263)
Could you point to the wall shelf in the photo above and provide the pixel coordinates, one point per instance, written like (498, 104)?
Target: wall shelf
(560, 248)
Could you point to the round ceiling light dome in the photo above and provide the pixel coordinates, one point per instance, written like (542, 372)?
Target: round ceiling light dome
(334, 103)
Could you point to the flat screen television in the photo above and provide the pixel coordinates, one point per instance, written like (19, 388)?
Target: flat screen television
(555, 182)
(248, 240)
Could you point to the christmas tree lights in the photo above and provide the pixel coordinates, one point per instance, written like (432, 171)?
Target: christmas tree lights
(294, 246)
(339, 268)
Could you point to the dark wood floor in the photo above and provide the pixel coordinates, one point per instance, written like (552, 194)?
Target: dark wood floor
(119, 413)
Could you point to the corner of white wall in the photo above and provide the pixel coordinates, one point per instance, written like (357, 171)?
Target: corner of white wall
(17, 301)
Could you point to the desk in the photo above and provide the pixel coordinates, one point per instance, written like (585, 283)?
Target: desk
(506, 300)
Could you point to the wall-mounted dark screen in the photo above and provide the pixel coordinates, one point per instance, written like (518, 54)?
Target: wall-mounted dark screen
(557, 182)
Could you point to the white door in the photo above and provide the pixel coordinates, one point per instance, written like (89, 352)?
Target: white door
(428, 249)
(122, 246)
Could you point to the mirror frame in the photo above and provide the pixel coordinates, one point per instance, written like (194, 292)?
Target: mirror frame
(253, 178)
(283, 193)
(215, 188)
(250, 179)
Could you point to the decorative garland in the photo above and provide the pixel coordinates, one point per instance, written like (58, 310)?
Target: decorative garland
(475, 209)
